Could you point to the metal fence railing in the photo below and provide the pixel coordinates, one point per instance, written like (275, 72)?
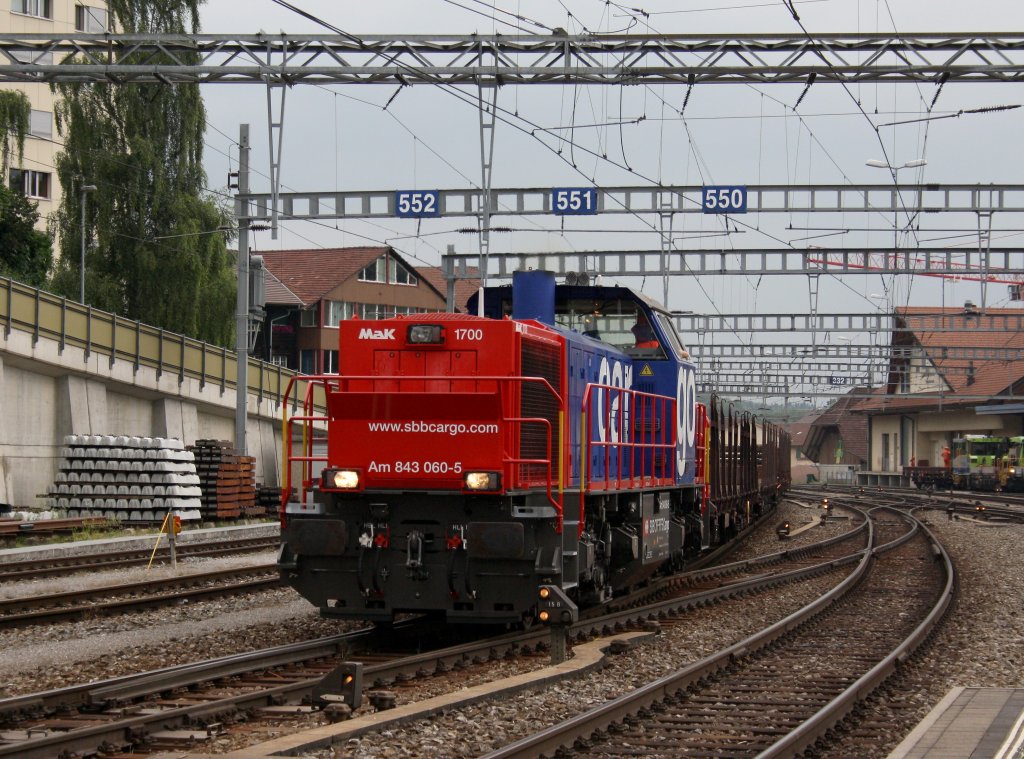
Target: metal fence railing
(45, 315)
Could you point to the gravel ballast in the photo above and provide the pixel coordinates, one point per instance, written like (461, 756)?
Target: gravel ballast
(980, 645)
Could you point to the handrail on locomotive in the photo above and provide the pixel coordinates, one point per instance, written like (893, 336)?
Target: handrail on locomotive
(624, 410)
(336, 384)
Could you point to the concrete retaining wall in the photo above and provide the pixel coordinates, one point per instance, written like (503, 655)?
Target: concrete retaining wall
(48, 391)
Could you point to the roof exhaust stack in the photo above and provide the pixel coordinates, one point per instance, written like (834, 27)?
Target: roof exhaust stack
(533, 295)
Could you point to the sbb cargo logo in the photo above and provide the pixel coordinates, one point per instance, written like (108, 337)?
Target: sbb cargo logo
(616, 374)
(686, 423)
(366, 333)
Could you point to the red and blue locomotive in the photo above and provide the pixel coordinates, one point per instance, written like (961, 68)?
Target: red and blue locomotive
(469, 460)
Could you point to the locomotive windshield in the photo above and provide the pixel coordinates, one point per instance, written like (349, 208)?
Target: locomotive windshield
(621, 323)
(617, 316)
(987, 448)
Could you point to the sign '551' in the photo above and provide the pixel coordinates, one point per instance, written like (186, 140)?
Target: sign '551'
(574, 201)
(724, 199)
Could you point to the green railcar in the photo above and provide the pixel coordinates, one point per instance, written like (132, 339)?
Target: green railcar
(981, 462)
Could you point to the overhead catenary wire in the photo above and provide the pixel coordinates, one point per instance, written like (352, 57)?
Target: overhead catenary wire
(522, 124)
(860, 111)
(517, 16)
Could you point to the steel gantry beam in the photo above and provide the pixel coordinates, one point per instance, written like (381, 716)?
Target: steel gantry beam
(993, 265)
(808, 367)
(848, 352)
(772, 376)
(549, 59)
(633, 200)
(703, 324)
(753, 388)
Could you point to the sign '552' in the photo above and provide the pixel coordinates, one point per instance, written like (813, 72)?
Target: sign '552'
(417, 204)
(724, 199)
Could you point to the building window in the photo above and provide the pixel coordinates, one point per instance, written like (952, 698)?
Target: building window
(41, 124)
(336, 311)
(408, 310)
(307, 317)
(279, 359)
(387, 269)
(89, 19)
(40, 8)
(376, 311)
(33, 56)
(375, 272)
(307, 361)
(330, 362)
(399, 274)
(31, 184)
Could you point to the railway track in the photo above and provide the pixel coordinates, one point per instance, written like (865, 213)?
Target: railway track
(59, 566)
(997, 506)
(120, 598)
(145, 710)
(780, 691)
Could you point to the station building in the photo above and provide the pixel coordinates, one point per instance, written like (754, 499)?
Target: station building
(308, 292)
(935, 392)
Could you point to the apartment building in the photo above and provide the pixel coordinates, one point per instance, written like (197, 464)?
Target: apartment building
(35, 174)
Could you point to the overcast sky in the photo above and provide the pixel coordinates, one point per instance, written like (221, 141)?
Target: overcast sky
(341, 138)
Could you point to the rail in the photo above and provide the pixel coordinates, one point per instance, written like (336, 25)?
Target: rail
(340, 384)
(45, 315)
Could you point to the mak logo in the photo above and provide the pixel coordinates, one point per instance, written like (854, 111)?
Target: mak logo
(376, 334)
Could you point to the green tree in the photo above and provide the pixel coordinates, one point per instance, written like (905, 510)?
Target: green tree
(25, 253)
(15, 112)
(154, 252)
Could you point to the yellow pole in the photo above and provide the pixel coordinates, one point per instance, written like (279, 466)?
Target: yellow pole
(158, 536)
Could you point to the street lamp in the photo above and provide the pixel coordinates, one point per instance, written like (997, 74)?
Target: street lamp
(85, 190)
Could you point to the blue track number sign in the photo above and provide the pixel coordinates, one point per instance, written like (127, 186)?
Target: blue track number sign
(417, 204)
(574, 201)
(724, 199)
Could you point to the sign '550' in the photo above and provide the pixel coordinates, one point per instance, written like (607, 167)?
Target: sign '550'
(724, 199)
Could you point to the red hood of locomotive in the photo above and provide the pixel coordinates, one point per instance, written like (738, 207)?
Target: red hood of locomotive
(412, 416)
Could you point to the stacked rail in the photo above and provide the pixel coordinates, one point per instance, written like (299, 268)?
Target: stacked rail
(227, 481)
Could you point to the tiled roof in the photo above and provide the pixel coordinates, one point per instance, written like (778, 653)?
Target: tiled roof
(310, 274)
(277, 293)
(464, 288)
(967, 330)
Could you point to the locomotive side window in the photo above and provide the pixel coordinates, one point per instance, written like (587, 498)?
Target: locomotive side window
(669, 328)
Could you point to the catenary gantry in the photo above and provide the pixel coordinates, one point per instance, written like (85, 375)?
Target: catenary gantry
(492, 61)
(989, 265)
(533, 59)
(675, 199)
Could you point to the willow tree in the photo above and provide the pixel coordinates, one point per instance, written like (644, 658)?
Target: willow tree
(155, 249)
(25, 253)
(15, 112)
